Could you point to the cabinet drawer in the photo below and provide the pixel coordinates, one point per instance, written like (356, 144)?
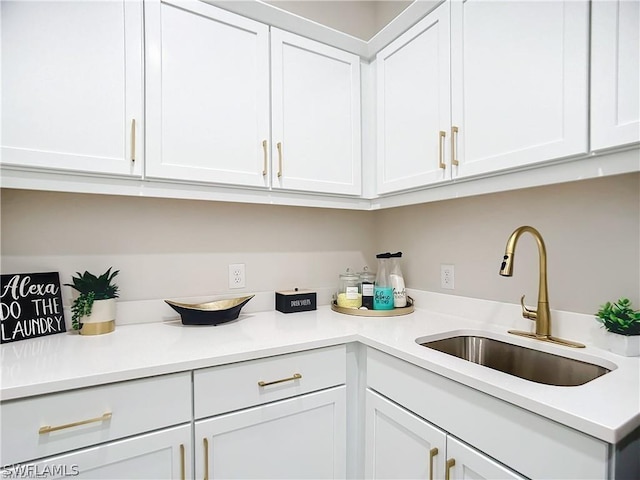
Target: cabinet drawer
(488, 423)
(239, 385)
(79, 418)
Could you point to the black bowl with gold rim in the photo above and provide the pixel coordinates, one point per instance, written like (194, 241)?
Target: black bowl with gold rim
(210, 313)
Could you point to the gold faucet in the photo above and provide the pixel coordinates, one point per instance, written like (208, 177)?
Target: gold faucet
(541, 315)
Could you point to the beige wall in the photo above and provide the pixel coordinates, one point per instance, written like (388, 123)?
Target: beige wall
(178, 248)
(591, 230)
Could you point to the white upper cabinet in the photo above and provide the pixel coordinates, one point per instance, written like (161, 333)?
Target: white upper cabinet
(315, 116)
(519, 82)
(72, 85)
(208, 103)
(207, 94)
(482, 86)
(413, 103)
(615, 73)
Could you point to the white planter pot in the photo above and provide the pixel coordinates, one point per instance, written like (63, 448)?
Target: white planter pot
(627, 345)
(102, 319)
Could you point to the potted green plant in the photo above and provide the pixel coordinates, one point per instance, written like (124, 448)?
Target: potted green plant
(94, 309)
(622, 323)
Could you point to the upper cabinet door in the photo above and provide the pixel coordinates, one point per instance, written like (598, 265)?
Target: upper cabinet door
(519, 74)
(72, 85)
(615, 73)
(316, 116)
(413, 104)
(207, 94)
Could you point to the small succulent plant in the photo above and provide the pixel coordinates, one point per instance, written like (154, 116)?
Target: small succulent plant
(91, 288)
(619, 317)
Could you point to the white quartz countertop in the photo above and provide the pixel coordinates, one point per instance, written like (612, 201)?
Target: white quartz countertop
(607, 408)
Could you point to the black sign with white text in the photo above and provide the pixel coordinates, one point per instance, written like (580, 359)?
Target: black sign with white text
(31, 306)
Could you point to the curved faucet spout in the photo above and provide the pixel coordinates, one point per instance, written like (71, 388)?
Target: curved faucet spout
(541, 314)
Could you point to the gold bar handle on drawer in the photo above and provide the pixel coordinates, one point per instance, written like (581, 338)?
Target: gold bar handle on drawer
(264, 165)
(48, 429)
(183, 472)
(296, 376)
(205, 442)
(432, 453)
(133, 140)
(279, 147)
(441, 138)
(454, 140)
(450, 463)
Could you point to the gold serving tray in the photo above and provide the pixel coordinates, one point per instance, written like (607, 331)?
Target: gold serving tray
(375, 313)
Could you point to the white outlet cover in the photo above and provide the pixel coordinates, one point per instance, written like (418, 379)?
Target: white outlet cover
(236, 275)
(447, 277)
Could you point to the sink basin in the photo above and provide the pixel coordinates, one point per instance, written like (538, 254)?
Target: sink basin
(523, 362)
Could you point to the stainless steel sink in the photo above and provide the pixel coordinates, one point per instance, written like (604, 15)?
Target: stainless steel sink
(527, 363)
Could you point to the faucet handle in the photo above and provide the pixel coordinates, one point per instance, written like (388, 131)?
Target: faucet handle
(526, 312)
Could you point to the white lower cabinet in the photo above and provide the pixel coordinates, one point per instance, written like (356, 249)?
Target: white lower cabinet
(275, 417)
(423, 405)
(165, 454)
(134, 429)
(301, 437)
(401, 445)
(464, 462)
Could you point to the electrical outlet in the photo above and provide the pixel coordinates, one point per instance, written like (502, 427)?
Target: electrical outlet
(236, 275)
(447, 277)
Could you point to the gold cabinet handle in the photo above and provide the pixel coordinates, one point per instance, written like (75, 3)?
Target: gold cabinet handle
(454, 141)
(450, 463)
(296, 376)
(205, 442)
(133, 140)
(48, 429)
(264, 164)
(432, 453)
(279, 147)
(441, 138)
(183, 473)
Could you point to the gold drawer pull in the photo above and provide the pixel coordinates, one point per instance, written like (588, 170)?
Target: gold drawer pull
(450, 464)
(48, 429)
(205, 443)
(264, 164)
(296, 376)
(454, 142)
(133, 140)
(432, 453)
(441, 138)
(183, 473)
(279, 147)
